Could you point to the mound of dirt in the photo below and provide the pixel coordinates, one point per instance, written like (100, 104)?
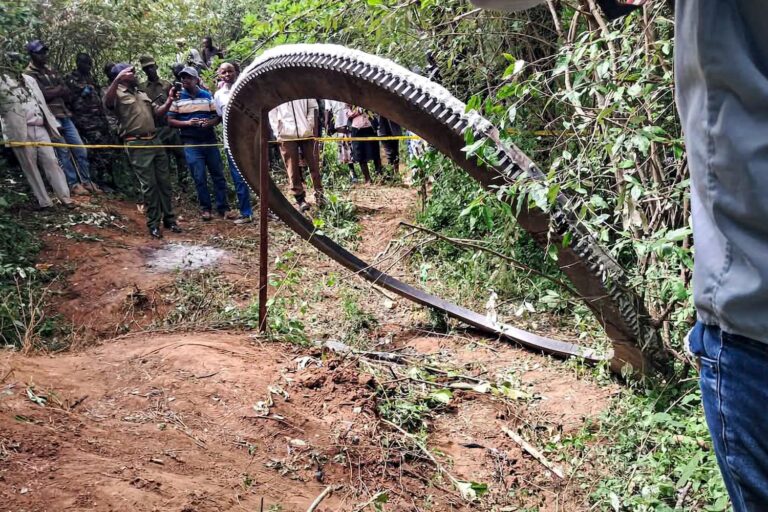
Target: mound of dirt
(195, 422)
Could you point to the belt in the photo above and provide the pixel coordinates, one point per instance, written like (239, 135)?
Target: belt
(143, 136)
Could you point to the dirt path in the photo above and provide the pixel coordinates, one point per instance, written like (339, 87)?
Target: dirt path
(213, 420)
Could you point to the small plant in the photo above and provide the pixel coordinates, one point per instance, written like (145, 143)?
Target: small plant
(338, 219)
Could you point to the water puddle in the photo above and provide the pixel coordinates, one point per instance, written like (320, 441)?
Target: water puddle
(172, 257)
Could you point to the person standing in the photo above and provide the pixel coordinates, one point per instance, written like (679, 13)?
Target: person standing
(189, 57)
(228, 73)
(337, 123)
(157, 90)
(25, 117)
(388, 128)
(293, 125)
(361, 125)
(209, 51)
(56, 94)
(136, 115)
(89, 116)
(194, 114)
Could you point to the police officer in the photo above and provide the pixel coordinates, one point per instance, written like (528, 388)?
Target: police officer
(90, 118)
(137, 117)
(157, 90)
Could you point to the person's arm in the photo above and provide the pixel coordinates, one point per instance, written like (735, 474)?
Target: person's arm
(210, 122)
(51, 92)
(161, 110)
(110, 96)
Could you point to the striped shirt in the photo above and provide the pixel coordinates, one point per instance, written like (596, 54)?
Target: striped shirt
(199, 106)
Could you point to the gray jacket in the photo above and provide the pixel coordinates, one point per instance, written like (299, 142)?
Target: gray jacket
(721, 66)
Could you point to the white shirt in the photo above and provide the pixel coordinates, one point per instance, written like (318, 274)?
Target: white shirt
(339, 110)
(221, 98)
(294, 120)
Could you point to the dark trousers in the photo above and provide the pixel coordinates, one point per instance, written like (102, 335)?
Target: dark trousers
(151, 168)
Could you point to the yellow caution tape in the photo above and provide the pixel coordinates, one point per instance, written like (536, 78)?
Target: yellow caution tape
(20, 144)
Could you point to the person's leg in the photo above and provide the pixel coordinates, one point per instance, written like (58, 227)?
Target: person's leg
(366, 172)
(99, 159)
(196, 161)
(734, 395)
(67, 165)
(27, 157)
(216, 169)
(72, 136)
(142, 162)
(375, 153)
(313, 164)
(392, 152)
(46, 159)
(241, 187)
(290, 152)
(162, 170)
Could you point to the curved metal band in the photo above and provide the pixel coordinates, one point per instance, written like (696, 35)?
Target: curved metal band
(325, 71)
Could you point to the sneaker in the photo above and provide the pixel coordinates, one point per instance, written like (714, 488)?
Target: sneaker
(79, 190)
(206, 216)
(92, 188)
(244, 219)
(230, 215)
(320, 200)
(303, 206)
(70, 205)
(155, 233)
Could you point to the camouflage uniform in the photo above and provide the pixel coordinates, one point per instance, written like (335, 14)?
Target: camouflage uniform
(158, 93)
(92, 124)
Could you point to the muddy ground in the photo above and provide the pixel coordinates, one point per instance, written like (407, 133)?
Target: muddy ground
(147, 414)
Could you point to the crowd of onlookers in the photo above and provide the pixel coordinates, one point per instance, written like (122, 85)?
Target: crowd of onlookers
(156, 121)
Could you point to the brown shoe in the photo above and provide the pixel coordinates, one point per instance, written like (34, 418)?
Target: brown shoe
(231, 215)
(79, 190)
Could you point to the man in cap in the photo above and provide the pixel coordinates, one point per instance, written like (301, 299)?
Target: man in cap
(56, 94)
(136, 114)
(89, 116)
(157, 90)
(194, 114)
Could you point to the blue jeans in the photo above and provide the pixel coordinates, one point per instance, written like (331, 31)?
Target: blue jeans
(197, 160)
(734, 389)
(241, 187)
(82, 173)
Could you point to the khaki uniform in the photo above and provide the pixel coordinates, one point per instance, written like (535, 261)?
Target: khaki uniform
(136, 116)
(158, 93)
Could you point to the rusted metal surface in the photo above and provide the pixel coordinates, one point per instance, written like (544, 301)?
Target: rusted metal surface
(263, 226)
(324, 71)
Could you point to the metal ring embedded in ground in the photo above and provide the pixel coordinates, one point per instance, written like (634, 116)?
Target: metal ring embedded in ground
(333, 72)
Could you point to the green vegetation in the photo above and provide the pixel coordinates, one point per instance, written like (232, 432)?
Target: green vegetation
(590, 101)
(25, 318)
